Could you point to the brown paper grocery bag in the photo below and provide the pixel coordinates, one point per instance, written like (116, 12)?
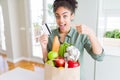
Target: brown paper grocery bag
(53, 73)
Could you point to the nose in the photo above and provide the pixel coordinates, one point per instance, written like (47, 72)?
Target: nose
(61, 19)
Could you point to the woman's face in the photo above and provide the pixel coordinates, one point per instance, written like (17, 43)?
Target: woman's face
(63, 19)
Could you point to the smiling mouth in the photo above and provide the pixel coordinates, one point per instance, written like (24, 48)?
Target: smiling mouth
(62, 26)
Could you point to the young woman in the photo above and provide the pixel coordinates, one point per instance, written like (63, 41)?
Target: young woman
(81, 36)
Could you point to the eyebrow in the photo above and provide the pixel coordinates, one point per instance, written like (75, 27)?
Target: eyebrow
(62, 13)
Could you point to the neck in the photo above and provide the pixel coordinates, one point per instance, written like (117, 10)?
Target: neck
(65, 33)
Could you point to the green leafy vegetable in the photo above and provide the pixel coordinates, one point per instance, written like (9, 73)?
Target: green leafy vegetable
(63, 48)
(113, 34)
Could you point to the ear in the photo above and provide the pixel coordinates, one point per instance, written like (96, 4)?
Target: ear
(72, 17)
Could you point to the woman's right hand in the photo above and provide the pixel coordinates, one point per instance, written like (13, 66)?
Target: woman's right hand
(44, 40)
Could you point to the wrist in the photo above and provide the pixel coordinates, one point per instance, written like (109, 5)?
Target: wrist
(91, 33)
(43, 46)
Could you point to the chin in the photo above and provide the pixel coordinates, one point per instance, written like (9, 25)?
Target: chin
(63, 31)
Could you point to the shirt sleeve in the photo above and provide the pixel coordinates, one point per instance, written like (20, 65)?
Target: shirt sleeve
(88, 47)
(50, 41)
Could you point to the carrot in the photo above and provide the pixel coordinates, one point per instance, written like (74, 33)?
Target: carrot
(56, 44)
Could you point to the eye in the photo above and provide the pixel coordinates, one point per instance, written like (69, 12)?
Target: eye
(65, 16)
(57, 17)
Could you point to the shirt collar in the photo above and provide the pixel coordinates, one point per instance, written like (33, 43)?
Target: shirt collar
(70, 32)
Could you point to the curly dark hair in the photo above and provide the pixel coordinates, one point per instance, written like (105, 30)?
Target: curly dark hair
(69, 4)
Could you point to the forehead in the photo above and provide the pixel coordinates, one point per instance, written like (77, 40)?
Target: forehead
(62, 10)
